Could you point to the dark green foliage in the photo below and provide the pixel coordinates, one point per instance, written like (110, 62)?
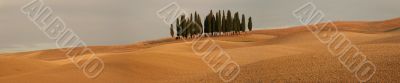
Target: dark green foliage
(229, 21)
(184, 27)
(172, 30)
(199, 29)
(210, 22)
(192, 26)
(223, 25)
(213, 24)
(178, 28)
(236, 23)
(250, 24)
(206, 24)
(220, 23)
(201, 25)
(216, 23)
(243, 24)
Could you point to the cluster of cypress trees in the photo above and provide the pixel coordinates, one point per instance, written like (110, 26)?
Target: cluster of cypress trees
(221, 23)
(188, 27)
(214, 24)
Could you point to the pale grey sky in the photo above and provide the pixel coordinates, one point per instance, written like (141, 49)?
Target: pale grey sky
(113, 22)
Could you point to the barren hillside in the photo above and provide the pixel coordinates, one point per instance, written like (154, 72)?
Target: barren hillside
(290, 54)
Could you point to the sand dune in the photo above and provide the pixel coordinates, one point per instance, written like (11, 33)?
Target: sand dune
(290, 54)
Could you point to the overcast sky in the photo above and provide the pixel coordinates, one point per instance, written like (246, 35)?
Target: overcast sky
(115, 22)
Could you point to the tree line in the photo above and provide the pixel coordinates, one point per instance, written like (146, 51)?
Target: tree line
(220, 23)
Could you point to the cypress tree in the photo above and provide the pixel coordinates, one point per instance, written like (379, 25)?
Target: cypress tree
(223, 25)
(191, 25)
(200, 25)
(206, 24)
(196, 25)
(188, 27)
(250, 24)
(178, 28)
(210, 23)
(216, 23)
(172, 30)
(235, 22)
(229, 22)
(243, 24)
(183, 27)
(219, 22)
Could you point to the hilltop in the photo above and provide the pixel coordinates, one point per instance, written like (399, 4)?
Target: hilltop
(292, 54)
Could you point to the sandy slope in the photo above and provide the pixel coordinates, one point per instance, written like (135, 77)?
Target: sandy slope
(291, 54)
